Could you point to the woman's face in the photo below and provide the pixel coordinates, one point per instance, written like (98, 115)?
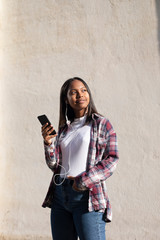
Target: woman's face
(78, 97)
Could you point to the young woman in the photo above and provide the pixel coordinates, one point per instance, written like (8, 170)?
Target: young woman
(83, 155)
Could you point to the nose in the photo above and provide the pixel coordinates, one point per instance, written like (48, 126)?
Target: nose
(79, 94)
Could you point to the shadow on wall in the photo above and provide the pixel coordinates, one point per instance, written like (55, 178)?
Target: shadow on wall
(158, 19)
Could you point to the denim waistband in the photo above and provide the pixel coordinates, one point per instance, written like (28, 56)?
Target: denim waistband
(64, 181)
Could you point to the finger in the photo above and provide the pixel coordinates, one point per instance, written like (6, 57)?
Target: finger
(71, 177)
(52, 136)
(51, 130)
(75, 187)
(46, 130)
(44, 126)
(48, 136)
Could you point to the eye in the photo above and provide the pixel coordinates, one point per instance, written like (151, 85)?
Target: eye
(73, 92)
(84, 90)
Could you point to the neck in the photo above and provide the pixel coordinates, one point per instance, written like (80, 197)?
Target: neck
(80, 113)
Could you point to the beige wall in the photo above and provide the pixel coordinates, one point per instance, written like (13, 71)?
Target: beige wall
(114, 46)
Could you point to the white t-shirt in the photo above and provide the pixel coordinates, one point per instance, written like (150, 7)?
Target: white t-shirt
(74, 148)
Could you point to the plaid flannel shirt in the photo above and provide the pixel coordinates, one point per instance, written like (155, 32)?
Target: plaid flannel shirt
(101, 162)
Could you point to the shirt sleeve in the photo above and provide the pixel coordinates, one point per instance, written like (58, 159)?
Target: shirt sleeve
(50, 155)
(105, 167)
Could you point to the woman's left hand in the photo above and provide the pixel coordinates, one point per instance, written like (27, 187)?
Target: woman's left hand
(74, 186)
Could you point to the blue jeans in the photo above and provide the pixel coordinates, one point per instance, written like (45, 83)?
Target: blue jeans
(70, 218)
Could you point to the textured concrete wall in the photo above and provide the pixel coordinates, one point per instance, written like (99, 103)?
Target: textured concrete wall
(114, 46)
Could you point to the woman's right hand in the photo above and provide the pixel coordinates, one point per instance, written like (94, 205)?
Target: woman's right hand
(46, 130)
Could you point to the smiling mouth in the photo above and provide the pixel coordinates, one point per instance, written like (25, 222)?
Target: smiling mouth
(80, 101)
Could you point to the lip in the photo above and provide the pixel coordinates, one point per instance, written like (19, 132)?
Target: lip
(80, 101)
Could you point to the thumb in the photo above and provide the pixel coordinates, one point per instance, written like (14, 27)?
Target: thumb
(71, 177)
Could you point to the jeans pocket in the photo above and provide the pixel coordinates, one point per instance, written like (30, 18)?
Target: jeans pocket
(80, 195)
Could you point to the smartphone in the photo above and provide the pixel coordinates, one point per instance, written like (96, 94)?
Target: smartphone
(43, 120)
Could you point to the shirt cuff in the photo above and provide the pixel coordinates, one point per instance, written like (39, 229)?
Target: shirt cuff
(46, 146)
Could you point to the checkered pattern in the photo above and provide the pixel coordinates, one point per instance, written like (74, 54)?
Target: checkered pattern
(101, 162)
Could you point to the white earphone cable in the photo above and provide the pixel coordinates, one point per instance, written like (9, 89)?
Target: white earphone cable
(59, 174)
